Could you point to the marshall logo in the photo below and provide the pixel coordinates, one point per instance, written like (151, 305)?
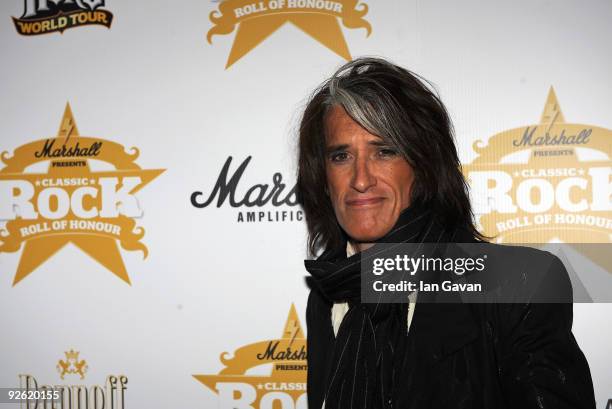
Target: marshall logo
(285, 387)
(76, 396)
(546, 182)
(259, 195)
(562, 139)
(48, 16)
(70, 203)
(48, 151)
(259, 19)
(286, 354)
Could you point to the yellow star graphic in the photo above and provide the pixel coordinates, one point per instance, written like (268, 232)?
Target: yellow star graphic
(287, 356)
(566, 196)
(45, 241)
(263, 18)
(325, 29)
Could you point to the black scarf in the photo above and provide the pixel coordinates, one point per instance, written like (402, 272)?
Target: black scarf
(363, 364)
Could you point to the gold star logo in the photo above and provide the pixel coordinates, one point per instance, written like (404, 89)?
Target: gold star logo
(548, 182)
(257, 20)
(287, 355)
(70, 203)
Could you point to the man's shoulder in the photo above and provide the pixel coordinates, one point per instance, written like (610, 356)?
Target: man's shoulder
(316, 301)
(530, 260)
(521, 274)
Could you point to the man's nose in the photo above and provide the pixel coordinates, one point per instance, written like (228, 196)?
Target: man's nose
(363, 178)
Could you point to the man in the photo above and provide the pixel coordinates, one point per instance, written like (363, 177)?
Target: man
(377, 164)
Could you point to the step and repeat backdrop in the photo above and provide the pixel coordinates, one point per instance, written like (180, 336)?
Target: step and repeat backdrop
(151, 246)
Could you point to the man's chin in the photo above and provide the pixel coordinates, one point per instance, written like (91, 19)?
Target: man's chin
(366, 236)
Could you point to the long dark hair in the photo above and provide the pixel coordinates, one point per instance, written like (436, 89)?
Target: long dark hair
(401, 108)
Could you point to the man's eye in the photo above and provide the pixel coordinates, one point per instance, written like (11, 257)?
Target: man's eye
(339, 156)
(387, 152)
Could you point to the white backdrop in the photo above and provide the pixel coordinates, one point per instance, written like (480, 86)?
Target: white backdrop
(211, 284)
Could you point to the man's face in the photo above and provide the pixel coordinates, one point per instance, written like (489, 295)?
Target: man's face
(368, 181)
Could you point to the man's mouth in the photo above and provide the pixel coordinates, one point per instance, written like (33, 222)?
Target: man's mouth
(365, 202)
